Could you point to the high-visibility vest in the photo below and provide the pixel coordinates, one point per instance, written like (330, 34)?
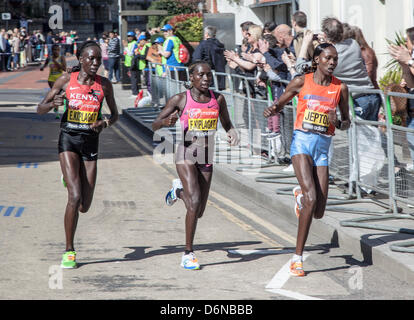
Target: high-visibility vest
(129, 54)
(142, 63)
(176, 49)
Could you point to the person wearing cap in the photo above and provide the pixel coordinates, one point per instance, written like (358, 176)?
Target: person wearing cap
(170, 52)
(153, 55)
(129, 55)
(139, 63)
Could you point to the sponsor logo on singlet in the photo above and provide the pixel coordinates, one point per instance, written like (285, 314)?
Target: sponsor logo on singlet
(202, 119)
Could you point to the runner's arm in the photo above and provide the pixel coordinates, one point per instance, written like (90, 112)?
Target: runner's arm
(226, 122)
(345, 122)
(63, 65)
(292, 89)
(54, 98)
(110, 101)
(45, 64)
(169, 115)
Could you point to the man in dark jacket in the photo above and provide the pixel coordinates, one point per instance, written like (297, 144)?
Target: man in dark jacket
(212, 51)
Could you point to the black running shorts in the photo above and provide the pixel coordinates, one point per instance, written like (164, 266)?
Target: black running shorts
(84, 145)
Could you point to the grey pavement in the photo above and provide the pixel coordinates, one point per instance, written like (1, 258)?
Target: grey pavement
(371, 245)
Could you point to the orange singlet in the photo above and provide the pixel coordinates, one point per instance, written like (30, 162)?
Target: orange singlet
(314, 103)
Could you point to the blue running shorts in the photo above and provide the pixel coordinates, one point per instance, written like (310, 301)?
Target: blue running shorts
(313, 144)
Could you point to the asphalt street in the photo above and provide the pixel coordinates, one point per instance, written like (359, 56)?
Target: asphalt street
(130, 243)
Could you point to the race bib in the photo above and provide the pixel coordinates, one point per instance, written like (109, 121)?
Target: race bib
(316, 121)
(80, 116)
(202, 124)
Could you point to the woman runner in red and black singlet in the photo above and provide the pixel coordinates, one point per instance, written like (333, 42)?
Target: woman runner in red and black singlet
(81, 92)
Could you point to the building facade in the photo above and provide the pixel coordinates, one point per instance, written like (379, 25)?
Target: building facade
(88, 17)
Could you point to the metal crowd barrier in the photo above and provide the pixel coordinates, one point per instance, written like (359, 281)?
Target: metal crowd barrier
(368, 157)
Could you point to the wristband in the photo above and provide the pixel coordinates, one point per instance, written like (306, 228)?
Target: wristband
(106, 122)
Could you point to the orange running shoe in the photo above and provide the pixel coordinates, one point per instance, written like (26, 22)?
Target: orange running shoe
(296, 269)
(296, 192)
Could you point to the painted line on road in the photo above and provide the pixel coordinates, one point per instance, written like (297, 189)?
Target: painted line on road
(10, 210)
(282, 276)
(279, 280)
(27, 165)
(244, 226)
(248, 214)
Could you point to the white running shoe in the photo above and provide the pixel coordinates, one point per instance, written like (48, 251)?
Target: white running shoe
(171, 196)
(190, 262)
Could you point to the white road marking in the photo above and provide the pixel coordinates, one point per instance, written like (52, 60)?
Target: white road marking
(271, 227)
(281, 277)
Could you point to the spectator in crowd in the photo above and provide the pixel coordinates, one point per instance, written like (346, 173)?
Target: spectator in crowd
(368, 54)
(170, 52)
(269, 27)
(351, 69)
(299, 24)
(283, 35)
(405, 57)
(16, 51)
(40, 47)
(2, 49)
(246, 61)
(33, 41)
(49, 42)
(349, 31)
(104, 49)
(140, 64)
(153, 55)
(137, 32)
(8, 57)
(114, 48)
(22, 49)
(244, 47)
(211, 51)
(129, 55)
(68, 44)
(279, 147)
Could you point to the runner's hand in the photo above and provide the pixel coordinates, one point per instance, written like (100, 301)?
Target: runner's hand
(98, 126)
(270, 111)
(171, 120)
(233, 137)
(58, 100)
(332, 118)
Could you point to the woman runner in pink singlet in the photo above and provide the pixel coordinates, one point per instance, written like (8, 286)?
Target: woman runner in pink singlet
(199, 110)
(82, 93)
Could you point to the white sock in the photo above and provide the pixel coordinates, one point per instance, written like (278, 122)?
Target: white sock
(297, 258)
(298, 200)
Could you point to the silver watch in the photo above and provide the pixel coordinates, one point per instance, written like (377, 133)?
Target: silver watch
(411, 63)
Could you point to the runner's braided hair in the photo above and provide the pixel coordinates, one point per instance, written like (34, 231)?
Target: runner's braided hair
(192, 68)
(83, 46)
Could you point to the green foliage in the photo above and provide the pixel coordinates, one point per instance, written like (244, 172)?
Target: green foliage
(393, 74)
(191, 29)
(173, 7)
